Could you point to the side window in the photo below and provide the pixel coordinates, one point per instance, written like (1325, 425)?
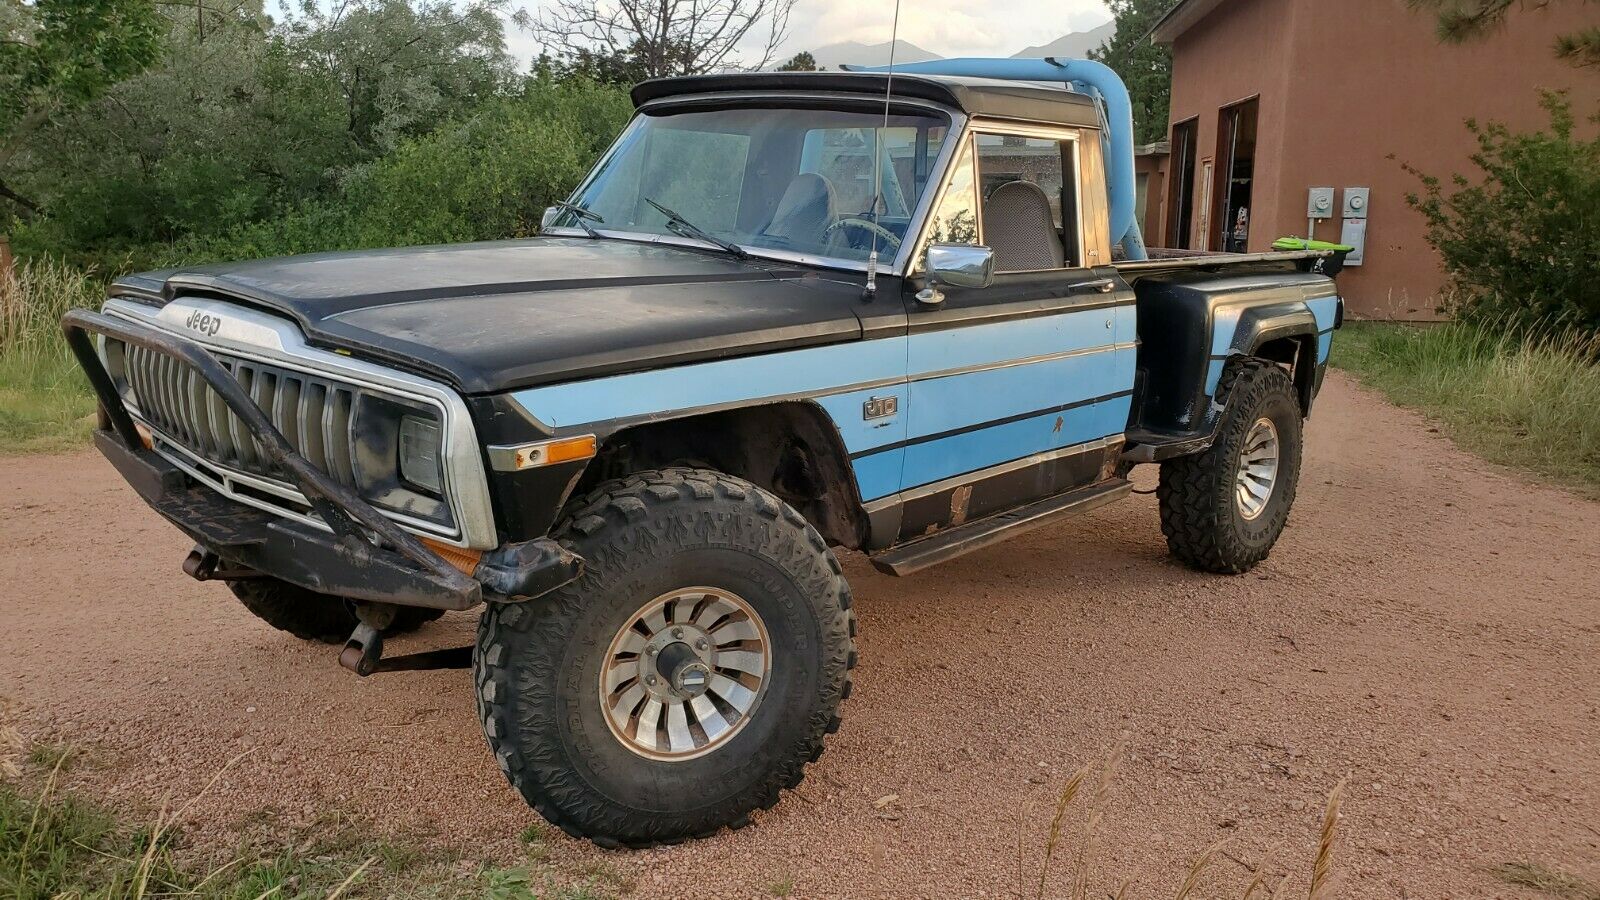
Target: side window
(955, 220)
(1029, 202)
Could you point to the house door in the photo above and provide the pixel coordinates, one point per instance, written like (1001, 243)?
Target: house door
(1180, 213)
(1236, 155)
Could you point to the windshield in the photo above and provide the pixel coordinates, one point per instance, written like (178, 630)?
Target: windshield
(798, 180)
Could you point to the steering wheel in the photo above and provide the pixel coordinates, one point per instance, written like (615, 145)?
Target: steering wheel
(865, 225)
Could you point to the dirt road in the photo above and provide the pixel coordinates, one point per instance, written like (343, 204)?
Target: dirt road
(1429, 628)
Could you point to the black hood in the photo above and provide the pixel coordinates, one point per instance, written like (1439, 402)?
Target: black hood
(495, 316)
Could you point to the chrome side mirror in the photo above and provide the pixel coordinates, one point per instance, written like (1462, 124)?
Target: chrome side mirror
(549, 217)
(955, 265)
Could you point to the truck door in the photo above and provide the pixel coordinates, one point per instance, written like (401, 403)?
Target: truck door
(1019, 390)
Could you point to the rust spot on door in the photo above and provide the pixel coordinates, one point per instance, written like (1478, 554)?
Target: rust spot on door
(958, 504)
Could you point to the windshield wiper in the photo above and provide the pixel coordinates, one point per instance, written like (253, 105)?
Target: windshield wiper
(583, 217)
(684, 228)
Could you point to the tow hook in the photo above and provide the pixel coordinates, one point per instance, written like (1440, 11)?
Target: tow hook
(363, 652)
(365, 647)
(203, 565)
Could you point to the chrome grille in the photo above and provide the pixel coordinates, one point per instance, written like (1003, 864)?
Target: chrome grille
(313, 413)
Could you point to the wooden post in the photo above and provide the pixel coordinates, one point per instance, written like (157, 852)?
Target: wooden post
(7, 264)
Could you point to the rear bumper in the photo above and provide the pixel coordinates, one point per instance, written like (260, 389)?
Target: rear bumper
(363, 555)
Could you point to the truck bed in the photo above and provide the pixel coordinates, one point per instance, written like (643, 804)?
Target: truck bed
(1164, 260)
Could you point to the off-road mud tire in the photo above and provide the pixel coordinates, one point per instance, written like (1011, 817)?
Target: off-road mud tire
(537, 663)
(311, 616)
(1199, 515)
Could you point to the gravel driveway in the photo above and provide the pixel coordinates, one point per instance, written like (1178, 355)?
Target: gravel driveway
(1429, 627)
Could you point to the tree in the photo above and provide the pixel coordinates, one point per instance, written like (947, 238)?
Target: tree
(59, 54)
(1467, 20)
(400, 66)
(667, 37)
(625, 68)
(800, 62)
(1145, 67)
(244, 119)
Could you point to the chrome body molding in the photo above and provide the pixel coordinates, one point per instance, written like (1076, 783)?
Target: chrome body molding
(261, 337)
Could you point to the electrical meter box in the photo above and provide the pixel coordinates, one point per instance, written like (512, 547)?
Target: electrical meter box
(1320, 203)
(1355, 202)
(1353, 231)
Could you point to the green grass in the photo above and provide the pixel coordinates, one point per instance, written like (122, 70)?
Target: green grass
(54, 845)
(1530, 402)
(45, 403)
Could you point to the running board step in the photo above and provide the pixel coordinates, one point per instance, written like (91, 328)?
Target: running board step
(962, 539)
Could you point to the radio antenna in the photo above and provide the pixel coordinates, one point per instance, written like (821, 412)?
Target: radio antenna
(871, 289)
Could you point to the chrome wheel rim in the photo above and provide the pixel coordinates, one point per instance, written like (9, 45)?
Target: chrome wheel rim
(1258, 468)
(685, 673)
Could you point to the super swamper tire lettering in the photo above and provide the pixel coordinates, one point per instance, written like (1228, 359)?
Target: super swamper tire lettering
(539, 666)
(1201, 515)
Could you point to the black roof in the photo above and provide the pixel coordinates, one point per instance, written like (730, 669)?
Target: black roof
(1025, 100)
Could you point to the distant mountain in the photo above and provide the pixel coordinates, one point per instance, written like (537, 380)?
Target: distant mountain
(832, 56)
(1075, 45)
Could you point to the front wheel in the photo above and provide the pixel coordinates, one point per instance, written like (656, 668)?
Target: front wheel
(1222, 510)
(685, 678)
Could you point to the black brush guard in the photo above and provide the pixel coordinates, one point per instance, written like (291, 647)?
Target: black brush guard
(365, 557)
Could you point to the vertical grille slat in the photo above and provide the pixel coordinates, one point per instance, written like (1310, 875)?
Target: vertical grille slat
(243, 443)
(336, 436)
(217, 422)
(315, 398)
(288, 418)
(265, 393)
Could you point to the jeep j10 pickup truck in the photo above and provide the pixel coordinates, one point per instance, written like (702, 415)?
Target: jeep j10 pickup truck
(785, 315)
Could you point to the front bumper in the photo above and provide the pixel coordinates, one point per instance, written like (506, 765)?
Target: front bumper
(363, 555)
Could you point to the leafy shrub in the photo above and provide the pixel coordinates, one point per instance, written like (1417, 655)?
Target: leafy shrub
(487, 177)
(1522, 247)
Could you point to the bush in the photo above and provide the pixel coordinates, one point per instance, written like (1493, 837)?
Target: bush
(1522, 247)
(487, 177)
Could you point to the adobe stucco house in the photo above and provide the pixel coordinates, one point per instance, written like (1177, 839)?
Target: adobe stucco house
(1271, 98)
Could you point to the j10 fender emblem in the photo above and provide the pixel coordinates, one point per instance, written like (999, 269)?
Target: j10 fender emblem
(203, 322)
(879, 407)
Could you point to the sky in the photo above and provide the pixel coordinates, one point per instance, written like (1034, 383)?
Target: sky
(944, 27)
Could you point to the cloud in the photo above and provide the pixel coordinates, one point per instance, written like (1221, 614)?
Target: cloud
(945, 27)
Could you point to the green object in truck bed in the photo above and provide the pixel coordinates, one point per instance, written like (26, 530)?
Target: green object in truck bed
(1293, 243)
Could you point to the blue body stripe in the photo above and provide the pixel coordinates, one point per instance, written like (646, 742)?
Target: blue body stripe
(1324, 344)
(974, 345)
(961, 453)
(1323, 309)
(812, 371)
(885, 451)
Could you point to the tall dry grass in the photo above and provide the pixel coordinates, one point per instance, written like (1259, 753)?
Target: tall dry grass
(33, 298)
(1528, 398)
(1321, 873)
(45, 404)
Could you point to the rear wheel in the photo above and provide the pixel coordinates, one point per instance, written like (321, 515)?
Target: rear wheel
(1222, 510)
(686, 678)
(311, 616)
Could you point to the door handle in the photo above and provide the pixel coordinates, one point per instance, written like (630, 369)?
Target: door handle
(1099, 286)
